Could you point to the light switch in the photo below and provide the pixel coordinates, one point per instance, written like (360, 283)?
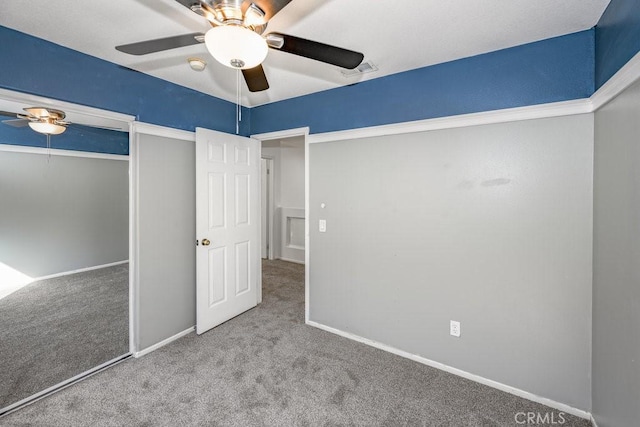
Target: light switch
(322, 225)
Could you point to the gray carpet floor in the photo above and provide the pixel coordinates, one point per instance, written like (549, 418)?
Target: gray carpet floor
(267, 368)
(54, 329)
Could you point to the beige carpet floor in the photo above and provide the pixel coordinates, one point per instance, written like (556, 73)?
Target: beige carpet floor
(54, 329)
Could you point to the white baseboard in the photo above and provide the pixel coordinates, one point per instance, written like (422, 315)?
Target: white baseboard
(295, 261)
(80, 270)
(464, 374)
(162, 343)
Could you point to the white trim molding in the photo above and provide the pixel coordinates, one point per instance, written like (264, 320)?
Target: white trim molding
(625, 77)
(162, 343)
(307, 228)
(464, 374)
(134, 238)
(65, 153)
(80, 270)
(564, 108)
(156, 130)
(281, 134)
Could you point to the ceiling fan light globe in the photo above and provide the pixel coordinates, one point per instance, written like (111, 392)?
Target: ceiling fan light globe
(47, 128)
(232, 45)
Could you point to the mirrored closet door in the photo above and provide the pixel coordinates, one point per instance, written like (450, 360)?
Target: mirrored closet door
(64, 252)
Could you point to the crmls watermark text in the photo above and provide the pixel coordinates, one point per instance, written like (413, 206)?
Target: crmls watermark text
(539, 418)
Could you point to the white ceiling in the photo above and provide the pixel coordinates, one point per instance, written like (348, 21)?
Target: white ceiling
(396, 36)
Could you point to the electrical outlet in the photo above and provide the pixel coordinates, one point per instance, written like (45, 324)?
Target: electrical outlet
(322, 225)
(454, 328)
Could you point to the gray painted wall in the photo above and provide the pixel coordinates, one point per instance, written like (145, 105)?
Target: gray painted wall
(487, 225)
(62, 215)
(616, 266)
(167, 234)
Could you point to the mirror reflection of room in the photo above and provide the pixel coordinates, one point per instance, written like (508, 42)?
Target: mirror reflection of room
(64, 250)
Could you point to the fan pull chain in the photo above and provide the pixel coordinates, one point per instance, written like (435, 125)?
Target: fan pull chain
(238, 100)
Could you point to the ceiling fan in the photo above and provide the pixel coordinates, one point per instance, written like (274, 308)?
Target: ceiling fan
(236, 39)
(42, 120)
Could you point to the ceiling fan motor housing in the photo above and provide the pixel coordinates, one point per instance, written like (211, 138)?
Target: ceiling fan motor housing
(231, 12)
(45, 120)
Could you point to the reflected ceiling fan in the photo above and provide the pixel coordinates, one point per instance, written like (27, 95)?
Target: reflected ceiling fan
(236, 39)
(42, 120)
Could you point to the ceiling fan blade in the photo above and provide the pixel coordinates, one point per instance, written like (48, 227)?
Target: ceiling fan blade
(189, 4)
(158, 45)
(256, 79)
(17, 123)
(271, 7)
(344, 58)
(8, 114)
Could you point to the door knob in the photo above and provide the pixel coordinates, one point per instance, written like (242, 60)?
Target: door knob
(205, 242)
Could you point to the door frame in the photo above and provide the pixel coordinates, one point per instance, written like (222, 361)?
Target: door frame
(270, 205)
(303, 132)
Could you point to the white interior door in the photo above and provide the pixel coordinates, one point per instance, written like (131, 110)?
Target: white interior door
(227, 226)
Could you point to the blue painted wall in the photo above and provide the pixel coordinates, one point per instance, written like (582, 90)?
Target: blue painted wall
(562, 68)
(551, 70)
(76, 138)
(617, 38)
(39, 67)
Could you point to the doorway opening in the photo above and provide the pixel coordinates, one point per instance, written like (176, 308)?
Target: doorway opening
(283, 199)
(229, 194)
(283, 213)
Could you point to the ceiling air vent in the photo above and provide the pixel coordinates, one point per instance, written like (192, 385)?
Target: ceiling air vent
(365, 67)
